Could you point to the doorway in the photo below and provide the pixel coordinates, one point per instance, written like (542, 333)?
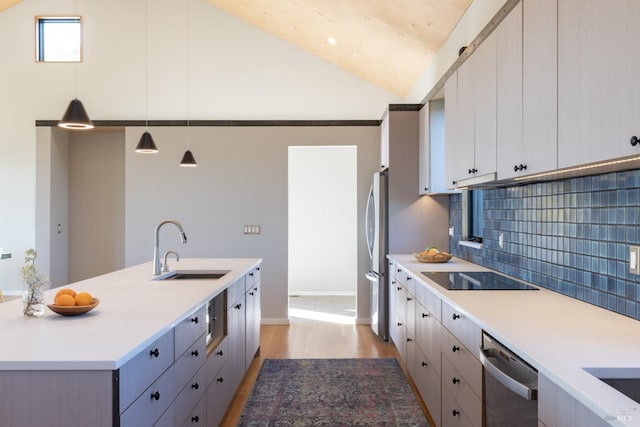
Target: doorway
(322, 197)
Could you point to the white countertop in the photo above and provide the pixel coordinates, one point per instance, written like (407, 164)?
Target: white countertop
(556, 334)
(134, 310)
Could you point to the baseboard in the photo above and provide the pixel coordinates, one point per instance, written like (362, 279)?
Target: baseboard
(274, 321)
(322, 293)
(364, 321)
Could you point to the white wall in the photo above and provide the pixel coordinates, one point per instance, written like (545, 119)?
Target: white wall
(235, 72)
(241, 179)
(323, 249)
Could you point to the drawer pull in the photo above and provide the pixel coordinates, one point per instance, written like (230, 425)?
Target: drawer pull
(425, 315)
(399, 288)
(195, 419)
(408, 278)
(195, 353)
(251, 293)
(195, 386)
(399, 270)
(455, 316)
(237, 306)
(257, 268)
(409, 299)
(455, 412)
(424, 364)
(154, 353)
(220, 353)
(255, 289)
(409, 340)
(194, 319)
(155, 396)
(455, 348)
(251, 274)
(455, 380)
(220, 380)
(399, 324)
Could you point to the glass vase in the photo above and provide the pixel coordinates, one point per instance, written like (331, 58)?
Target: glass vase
(33, 299)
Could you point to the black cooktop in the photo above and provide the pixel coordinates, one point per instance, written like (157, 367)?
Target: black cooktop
(476, 281)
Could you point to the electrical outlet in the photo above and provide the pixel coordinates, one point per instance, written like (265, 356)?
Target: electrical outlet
(634, 261)
(501, 240)
(451, 231)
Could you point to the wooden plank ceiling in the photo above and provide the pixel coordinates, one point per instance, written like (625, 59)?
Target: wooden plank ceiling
(386, 42)
(389, 43)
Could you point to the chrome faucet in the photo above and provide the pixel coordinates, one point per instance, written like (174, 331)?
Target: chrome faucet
(165, 266)
(156, 248)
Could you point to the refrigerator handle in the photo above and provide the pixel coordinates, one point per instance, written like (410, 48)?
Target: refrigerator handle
(372, 277)
(368, 228)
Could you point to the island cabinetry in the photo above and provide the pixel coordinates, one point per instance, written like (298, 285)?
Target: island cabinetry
(187, 404)
(461, 369)
(189, 330)
(236, 309)
(253, 316)
(219, 392)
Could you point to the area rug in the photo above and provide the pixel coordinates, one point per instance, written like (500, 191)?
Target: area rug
(332, 392)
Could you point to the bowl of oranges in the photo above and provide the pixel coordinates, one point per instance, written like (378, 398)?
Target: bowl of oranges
(433, 255)
(68, 302)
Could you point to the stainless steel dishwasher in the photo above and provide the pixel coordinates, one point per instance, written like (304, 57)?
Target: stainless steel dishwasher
(510, 387)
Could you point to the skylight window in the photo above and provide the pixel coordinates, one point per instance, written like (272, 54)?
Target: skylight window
(58, 39)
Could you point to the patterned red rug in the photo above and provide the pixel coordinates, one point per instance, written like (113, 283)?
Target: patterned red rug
(332, 392)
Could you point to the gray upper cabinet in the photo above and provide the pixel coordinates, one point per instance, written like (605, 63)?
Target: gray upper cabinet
(471, 128)
(424, 158)
(598, 84)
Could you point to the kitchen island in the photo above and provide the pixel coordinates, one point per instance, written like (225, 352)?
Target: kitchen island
(145, 337)
(568, 341)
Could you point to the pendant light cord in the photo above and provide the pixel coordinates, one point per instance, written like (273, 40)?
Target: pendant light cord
(146, 66)
(188, 76)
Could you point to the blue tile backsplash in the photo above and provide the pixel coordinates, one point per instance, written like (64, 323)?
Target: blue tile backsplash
(571, 236)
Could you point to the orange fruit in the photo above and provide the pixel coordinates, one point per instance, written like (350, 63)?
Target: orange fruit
(65, 299)
(84, 298)
(66, 291)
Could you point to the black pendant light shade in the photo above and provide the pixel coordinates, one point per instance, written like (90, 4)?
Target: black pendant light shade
(188, 161)
(146, 144)
(75, 117)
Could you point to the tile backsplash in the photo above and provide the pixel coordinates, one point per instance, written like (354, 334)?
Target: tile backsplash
(571, 236)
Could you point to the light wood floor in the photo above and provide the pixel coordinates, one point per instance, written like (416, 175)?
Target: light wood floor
(310, 341)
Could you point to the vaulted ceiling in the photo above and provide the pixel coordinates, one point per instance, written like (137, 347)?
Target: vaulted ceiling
(389, 43)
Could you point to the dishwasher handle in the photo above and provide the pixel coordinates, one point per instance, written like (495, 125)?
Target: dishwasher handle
(522, 390)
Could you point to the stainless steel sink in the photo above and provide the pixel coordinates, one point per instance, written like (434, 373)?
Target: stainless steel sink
(624, 380)
(193, 275)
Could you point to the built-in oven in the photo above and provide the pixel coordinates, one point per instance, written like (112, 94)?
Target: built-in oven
(216, 319)
(510, 387)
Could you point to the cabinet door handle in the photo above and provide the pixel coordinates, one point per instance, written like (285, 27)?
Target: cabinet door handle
(195, 419)
(154, 353)
(251, 274)
(194, 319)
(425, 315)
(195, 353)
(634, 140)
(409, 299)
(237, 306)
(220, 380)
(220, 353)
(251, 293)
(424, 363)
(455, 316)
(409, 340)
(517, 168)
(455, 348)
(195, 386)
(399, 324)
(399, 288)
(455, 412)
(455, 380)
(454, 182)
(155, 396)
(257, 268)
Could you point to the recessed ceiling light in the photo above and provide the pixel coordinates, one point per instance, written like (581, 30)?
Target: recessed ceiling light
(331, 40)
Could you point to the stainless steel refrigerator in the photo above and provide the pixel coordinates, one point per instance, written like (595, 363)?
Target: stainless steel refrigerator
(377, 241)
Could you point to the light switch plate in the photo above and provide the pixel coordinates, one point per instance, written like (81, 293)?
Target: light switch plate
(451, 231)
(501, 240)
(634, 261)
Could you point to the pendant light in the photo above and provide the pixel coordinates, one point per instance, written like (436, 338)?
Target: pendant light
(76, 117)
(188, 161)
(146, 143)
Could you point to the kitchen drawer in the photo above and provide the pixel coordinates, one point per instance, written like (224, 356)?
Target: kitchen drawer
(167, 419)
(428, 332)
(427, 381)
(219, 396)
(235, 292)
(462, 327)
(197, 417)
(252, 278)
(452, 413)
(189, 329)
(463, 361)
(429, 300)
(401, 303)
(152, 403)
(215, 360)
(189, 396)
(190, 361)
(144, 368)
(461, 391)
